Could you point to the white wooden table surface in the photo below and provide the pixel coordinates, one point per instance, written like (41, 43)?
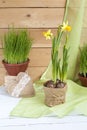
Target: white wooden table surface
(7, 103)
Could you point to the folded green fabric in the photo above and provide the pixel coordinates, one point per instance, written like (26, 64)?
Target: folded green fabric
(76, 99)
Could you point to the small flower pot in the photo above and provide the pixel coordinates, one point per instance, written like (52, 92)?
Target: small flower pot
(55, 96)
(20, 85)
(83, 80)
(14, 69)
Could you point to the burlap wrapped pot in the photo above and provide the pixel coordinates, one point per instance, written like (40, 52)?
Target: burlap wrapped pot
(54, 96)
(20, 85)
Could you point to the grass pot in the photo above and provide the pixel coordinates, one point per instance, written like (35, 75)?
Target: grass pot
(83, 80)
(14, 69)
(55, 96)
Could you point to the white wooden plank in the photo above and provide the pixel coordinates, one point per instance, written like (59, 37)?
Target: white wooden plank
(76, 126)
(51, 122)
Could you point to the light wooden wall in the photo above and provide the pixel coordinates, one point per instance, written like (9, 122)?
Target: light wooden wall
(37, 16)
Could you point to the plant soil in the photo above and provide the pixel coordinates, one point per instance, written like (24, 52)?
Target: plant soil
(83, 75)
(57, 84)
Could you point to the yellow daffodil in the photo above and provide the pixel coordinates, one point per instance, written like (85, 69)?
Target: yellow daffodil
(48, 34)
(66, 27)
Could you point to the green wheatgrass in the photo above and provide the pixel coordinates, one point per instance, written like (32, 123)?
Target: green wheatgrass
(17, 46)
(83, 60)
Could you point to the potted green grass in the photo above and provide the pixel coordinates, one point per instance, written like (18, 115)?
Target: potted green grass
(55, 88)
(83, 65)
(17, 46)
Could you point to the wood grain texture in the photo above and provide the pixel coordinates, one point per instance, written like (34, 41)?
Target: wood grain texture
(32, 3)
(31, 17)
(40, 57)
(34, 72)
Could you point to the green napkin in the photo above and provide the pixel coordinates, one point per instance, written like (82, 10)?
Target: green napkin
(76, 98)
(32, 107)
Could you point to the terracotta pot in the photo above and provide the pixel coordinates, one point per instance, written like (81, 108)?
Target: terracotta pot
(83, 80)
(54, 96)
(14, 69)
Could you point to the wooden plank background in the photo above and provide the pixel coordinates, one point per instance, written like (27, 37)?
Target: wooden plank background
(32, 3)
(37, 16)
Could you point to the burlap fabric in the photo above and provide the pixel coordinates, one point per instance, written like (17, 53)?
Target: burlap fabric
(20, 85)
(55, 96)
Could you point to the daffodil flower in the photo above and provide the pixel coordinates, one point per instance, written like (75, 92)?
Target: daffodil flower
(66, 27)
(59, 64)
(48, 34)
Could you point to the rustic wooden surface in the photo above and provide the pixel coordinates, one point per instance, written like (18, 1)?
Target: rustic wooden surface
(31, 17)
(37, 16)
(32, 3)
